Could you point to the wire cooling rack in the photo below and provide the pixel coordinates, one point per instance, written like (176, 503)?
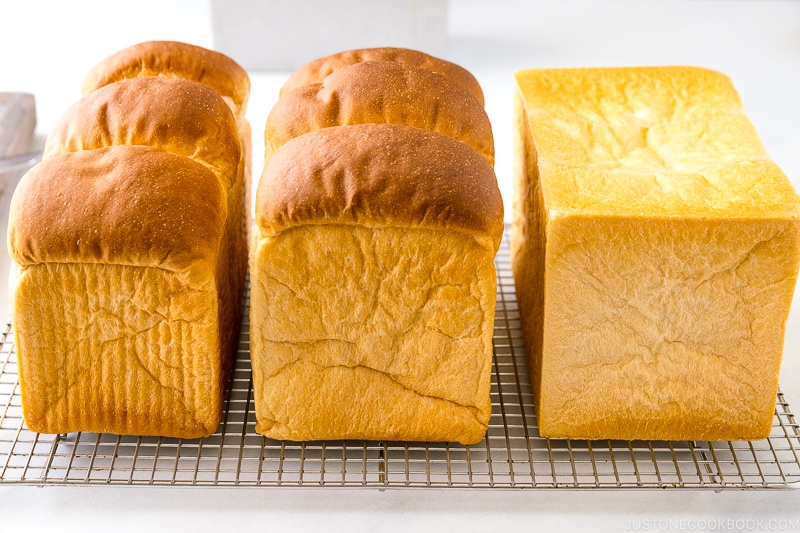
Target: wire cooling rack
(512, 455)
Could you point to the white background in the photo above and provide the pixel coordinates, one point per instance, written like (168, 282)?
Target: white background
(46, 47)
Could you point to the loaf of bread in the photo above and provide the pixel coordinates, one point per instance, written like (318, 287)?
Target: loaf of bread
(655, 249)
(373, 287)
(381, 92)
(317, 70)
(114, 301)
(130, 260)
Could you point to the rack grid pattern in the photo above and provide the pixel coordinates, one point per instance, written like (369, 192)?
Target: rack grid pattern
(512, 455)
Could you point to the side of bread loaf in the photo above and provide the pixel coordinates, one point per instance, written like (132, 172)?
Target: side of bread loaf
(398, 228)
(655, 250)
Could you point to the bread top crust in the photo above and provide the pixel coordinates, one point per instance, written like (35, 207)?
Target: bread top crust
(129, 205)
(382, 92)
(380, 175)
(648, 141)
(175, 115)
(174, 59)
(317, 70)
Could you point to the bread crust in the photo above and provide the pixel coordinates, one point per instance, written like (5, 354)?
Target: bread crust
(127, 205)
(382, 92)
(317, 70)
(176, 60)
(655, 141)
(379, 174)
(152, 111)
(373, 333)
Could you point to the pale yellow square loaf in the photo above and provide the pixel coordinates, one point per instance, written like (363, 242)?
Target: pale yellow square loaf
(655, 253)
(373, 287)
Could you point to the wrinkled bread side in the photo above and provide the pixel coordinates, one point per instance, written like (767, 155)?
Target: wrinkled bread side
(372, 333)
(373, 286)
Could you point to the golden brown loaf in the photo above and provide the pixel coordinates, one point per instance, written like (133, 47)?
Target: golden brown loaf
(382, 92)
(113, 299)
(655, 249)
(317, 70)
(397, 227)
(174, 115)
(130, 260)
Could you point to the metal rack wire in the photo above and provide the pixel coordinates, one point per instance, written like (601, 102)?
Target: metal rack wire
(512, 455)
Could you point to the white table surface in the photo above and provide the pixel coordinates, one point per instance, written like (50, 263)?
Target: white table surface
(46, 47)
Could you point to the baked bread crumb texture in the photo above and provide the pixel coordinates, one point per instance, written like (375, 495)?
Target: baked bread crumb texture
(655, 249)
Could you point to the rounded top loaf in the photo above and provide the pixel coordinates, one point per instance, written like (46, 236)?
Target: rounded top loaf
(317, 70)
(382, 92)
(153, 112)
(130, 205)
(176, 60)
(379, 175)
